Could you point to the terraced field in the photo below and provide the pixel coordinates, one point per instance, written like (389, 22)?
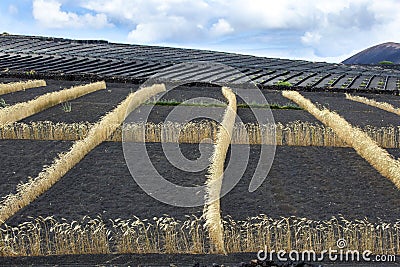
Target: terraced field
(136, 63)
(321, 187)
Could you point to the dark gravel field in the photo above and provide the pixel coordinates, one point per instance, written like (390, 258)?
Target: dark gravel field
(160, 113)
(391, 99)
(312, 182)
(93, 106)
(182, 260)
(90, 107)
(29, 94)
(23, 158)
(356, 113)
(394, 152)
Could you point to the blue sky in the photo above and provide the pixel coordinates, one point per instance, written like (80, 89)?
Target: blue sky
(323, 30)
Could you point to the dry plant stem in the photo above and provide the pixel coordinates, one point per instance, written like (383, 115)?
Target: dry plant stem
(378, 157)
(212, 210)
(382, 105)
(294, 133)
(48, 236)
(19, 86)
(22, 110)
(29, 191)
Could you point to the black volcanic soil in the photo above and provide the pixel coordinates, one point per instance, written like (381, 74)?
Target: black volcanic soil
(29, 94)
(358, 114)
(160, 113)
(90, 107)
(233, 260)
(23, 158)
(311, 182)
(391, 99)
(93, 106)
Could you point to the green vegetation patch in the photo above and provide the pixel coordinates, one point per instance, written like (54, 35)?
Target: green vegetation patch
(241, 105)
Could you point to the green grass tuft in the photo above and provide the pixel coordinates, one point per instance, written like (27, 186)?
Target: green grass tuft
(284, 84)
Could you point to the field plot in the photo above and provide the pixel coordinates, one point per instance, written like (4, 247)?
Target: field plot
(105, 187)
(24, 158)
(358, 114)
(20, 86)
(316, 183)
(299, 205)
(88, 108)
(135, 62)
(23, 96)
(395, 101)
(77, 196)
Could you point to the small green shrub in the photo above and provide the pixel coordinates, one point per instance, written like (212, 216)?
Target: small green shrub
(386, 62)
(31, 72)
(66, 107)
(282, 83)
(3, 103)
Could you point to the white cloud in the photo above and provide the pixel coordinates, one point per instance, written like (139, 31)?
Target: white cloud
(172, 29)
(222, 27)
(49, 14)
(330, 29)
(311, 38)
(12, 9)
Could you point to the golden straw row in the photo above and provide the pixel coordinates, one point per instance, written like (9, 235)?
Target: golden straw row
(6, 88)
(212, 208)
(98, 133)
(371, 102)
(25, 109)
(295, 133)
(367, 148)
(48, 236)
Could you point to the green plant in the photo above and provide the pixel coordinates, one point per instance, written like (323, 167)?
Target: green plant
(66, 107)
(172, 102)
(3, 103)
(386, 62)
(283, 84)
(30, 72)
(363, 84)
(287, 106)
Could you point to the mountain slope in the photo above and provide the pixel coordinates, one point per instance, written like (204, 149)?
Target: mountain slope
(373, 55)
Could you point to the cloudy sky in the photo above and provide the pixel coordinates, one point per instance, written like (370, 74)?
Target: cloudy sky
(320, 30)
